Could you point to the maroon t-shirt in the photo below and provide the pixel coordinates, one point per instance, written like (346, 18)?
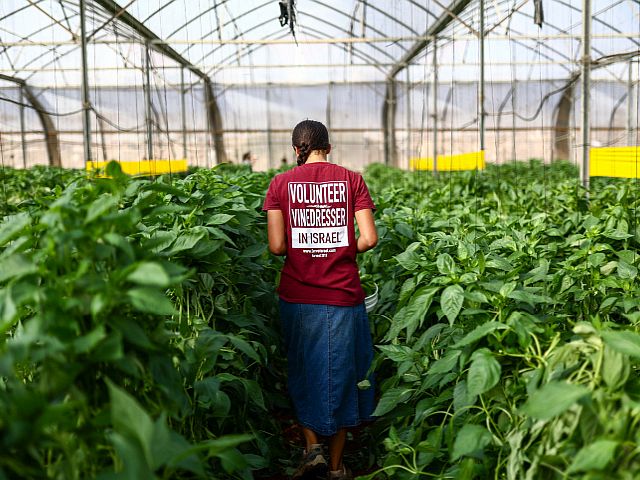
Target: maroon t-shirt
(318, 202)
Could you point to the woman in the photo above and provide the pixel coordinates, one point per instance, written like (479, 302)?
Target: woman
(310, 219)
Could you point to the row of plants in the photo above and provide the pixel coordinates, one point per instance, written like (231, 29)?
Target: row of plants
(507, 334)
(136, 327)
(140, 334)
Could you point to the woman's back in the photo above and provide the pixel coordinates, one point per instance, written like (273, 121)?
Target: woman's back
(318, 202)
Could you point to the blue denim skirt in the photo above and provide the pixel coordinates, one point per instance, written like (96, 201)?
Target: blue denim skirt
(329, 351)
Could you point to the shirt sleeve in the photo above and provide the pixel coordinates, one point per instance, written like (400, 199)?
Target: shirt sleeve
(272, 200)
(362, 198)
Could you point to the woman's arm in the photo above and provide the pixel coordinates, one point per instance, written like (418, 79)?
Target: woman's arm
(276, 233)
(368, 235)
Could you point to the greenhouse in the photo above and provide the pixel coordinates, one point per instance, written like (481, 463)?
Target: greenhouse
(494, 146)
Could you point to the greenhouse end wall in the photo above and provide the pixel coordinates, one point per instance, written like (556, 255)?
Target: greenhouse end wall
(258, 119)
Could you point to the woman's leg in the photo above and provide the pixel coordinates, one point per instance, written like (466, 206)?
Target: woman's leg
(336, 449)
(310, 437)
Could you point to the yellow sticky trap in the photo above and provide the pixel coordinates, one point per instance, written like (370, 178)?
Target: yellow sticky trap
(450, 163)
(622, 162)
(144, 167)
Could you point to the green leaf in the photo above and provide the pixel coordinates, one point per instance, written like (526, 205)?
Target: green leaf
(160, 240)
(627, 271)
(16, 266)
(151, 274)
(226, 442)
(553, 399)
(186, 241)
(528, 297)
(445, 264)
(397, 353)
(253, 251)
(484, 372)
(150, 300)
(479, 332)
(8, 310)
(364, 385)
(100, 206)
(451, 301)
(130, 455)
(471, 441)
(412, 315)
(232, 460)
(596, 259)
(446, 363)
(409, 258)
(130, 419)
(626, 342)
(88, 342)
(391, 399)
(616, 235)
(507, 289)
(114, 169)
(220, 235)
(245, 348)
(595, 456)
(476, 296)
(209, 395)
(219, 219)
(615, 367)
(608, 268)
(120, 242)
(12, 226)
(462, 399)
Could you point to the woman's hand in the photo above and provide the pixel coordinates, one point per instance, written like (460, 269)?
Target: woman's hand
(368, 234)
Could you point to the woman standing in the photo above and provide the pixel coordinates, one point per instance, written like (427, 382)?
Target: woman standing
(310, 217)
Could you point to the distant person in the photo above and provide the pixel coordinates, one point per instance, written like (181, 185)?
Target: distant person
(247, 160)
(283, 162)
(310, 219)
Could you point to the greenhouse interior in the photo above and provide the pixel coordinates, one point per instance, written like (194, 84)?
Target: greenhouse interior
(142, 141)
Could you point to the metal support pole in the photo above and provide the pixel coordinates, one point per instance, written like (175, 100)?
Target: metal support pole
(630, 105)
(481, 111)
(147, 101)
(408, 107)
(269, 139)
(23, 137)
(585, 129)
(388, 123)
(435, 108)
(183, 111)
(514, 153)
(207, 96)
(328, 110)
(86, 101)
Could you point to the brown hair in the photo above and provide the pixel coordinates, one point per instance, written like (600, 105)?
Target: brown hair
(308, 136)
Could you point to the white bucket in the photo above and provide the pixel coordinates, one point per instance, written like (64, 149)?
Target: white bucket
(372, 300)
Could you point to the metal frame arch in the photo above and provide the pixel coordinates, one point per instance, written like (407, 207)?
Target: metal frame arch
(48, 128)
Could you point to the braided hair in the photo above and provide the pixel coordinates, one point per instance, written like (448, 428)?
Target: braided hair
(308, 136)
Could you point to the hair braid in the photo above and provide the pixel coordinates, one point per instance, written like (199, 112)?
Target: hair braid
(304, 150)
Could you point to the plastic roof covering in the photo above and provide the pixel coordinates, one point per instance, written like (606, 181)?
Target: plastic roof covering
(40, 40)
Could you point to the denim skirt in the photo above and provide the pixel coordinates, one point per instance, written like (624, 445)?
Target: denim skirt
(329, 351)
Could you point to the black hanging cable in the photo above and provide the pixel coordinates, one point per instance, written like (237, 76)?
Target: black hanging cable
(288, 16)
